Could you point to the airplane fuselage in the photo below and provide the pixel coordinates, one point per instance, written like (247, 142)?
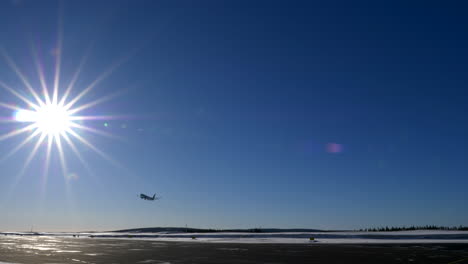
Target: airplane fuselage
(148, 198)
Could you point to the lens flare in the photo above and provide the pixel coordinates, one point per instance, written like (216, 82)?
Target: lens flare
(334, 148)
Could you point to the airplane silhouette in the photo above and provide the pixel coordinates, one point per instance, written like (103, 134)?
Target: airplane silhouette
(149, 198)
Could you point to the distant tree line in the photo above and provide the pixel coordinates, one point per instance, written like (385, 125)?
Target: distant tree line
(404, 228)
(252, 230)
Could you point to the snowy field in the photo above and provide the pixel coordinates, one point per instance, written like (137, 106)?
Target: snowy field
(399, 237)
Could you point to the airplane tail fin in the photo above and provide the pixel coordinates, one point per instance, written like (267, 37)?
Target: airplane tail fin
(154, 196)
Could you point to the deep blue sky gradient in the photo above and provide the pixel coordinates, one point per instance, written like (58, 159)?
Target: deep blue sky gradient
(230, 106)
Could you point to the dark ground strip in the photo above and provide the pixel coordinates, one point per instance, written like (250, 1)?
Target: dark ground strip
(86, 250)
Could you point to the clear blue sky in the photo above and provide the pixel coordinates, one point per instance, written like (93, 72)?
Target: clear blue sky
(231, 109)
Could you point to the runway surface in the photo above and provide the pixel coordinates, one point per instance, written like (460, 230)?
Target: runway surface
(43, 249)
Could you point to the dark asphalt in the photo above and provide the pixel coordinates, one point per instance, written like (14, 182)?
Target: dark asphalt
(36, 249)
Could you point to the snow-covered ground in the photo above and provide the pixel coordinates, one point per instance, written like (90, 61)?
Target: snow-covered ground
(400, 237)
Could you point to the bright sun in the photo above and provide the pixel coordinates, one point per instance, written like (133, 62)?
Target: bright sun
(50, 119)
(51, 113)
(50, 116)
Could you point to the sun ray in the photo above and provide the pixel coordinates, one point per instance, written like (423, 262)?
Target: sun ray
(99, 152)
(9, 106)
(40, 73)
(29, 159)
(24, 99)
(58, 57)
(45, 174)
(98, 117)
(63, 162)
(94, 130)
(23, 78)
(63, 165)
(93, 103)
(77, 153)
(73, 80)
(17, 132)
(99, 79)
(22, 144)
